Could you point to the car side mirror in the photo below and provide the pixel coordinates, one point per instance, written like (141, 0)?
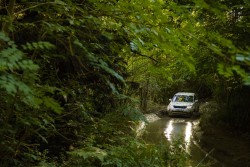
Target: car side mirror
(170, 99)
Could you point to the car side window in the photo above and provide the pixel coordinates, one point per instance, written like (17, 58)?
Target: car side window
(189, 98)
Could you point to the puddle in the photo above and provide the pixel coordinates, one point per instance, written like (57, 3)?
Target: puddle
(181, 129)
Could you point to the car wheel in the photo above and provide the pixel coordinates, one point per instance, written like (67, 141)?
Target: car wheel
(169, 114)
(190, 115)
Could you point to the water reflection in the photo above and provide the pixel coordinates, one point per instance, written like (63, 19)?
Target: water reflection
(169, 130)
(188, 134)
(173, 129)
(179, 128)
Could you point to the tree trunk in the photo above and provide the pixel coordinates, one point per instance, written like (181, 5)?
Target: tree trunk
(144, 96)
(10, 12)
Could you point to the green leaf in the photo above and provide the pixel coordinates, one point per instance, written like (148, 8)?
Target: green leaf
(112, 86)
(41, 45)
(90, 152)
(28, 65)
(243, 58)
(60, 2)
(4, 37)
(103, 65)
(8, 83)
(247, 80)
(52, 104)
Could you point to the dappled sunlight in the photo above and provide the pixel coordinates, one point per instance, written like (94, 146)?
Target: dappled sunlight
(140, 127)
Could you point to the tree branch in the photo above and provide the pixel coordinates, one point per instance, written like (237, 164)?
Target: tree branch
(151, 58)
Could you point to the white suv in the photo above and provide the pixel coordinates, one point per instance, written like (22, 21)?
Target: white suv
(183, 103)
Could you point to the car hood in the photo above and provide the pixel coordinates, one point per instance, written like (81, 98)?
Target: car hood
(181, 103)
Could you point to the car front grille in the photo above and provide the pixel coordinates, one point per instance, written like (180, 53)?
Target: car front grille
(180, 107)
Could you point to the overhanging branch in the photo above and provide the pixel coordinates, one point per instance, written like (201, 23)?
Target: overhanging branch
(151, 58)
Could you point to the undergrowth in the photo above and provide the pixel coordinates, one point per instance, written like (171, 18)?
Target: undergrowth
(111, 142)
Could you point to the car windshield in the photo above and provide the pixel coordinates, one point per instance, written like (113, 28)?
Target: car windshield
(183, 98)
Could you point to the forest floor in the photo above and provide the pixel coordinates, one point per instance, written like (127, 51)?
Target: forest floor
(231, 149)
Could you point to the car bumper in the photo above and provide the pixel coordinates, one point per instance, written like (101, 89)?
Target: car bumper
(180, 112)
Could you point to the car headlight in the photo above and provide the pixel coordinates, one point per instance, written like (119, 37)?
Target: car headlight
(189, 106)
(170, 106)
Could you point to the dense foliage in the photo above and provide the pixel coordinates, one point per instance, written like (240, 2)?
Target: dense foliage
(65, 65)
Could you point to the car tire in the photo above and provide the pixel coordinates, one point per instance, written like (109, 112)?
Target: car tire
(190, 115)
(170, 115)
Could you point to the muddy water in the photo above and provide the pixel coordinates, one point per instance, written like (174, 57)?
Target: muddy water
(181, 129)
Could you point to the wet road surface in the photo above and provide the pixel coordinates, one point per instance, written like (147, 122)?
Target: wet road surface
(181, 130)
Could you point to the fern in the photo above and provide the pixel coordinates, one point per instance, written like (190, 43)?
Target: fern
(99, 63)
(25, 104)
(41, 45)
(12, 62)
(55, 27)
(103, 65)
(90, 152)
(4, 37)
(52, 104)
